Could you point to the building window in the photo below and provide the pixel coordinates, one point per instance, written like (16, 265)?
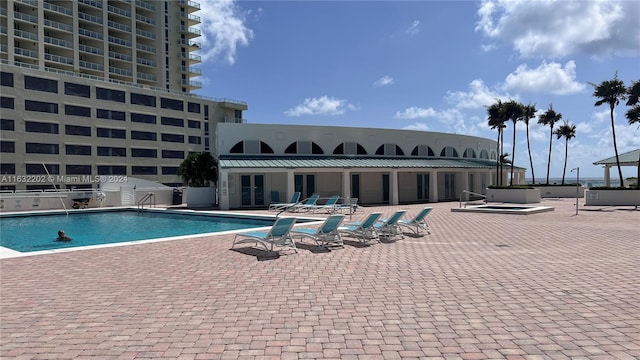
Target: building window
(469, 153)
(144, 153)
(194, 124)
(38, 169)
(143, 118)
(172, 154)
(110, 114)
(484, 154)
(144, 170)
(77, 90)
(349, 148)
(303, 147)
(6, 79)
(111, 133)
(449, 151)
(110, 94)
(193, 107)
(171, 121)
(78, 169)
(40, 84)
(206, 112)
(169, 170)
(144, 100)
(112, 151)
(6, 169)
(172, 104)
(176, 138)
(7, 102)
(77, 149)
(7, 146)
(40, 148)
(112, 170)
(77, 110)
(143, 135)
(41, 106)
(7, 124)
(40, 127)
(389, 150)
(195, 140)
(77, 130)
(422, 150)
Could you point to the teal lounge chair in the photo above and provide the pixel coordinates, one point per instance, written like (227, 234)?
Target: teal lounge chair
(329, 206)
(364, 231)
(307, 205)
(279, 206)
(418, 224)
(325, 235)
(278, 235)
(390, 227)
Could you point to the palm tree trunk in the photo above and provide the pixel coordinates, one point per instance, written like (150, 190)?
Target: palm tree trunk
(615, 147)
(501, 151)
(566, 153)
(533, 175)
(498, 159)
(513, 153)
(549, 161)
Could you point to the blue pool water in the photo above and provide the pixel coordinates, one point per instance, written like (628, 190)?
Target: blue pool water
(39, 232)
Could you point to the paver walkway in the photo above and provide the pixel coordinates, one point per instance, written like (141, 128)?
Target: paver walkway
(482, 286)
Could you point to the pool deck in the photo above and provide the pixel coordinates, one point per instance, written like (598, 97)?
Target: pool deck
(551, 285)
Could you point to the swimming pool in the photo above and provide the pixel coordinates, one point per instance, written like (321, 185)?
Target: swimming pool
(38, 232)
(505, 209)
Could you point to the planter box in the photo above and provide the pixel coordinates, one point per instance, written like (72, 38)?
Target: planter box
(200, 196)
(612, 197)
(560, 191)
(518, 196)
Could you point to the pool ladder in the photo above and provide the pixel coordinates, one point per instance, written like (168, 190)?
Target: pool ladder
(467, 192)
(150, 197)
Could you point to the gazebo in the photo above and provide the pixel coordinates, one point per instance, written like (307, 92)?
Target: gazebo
(631, 158)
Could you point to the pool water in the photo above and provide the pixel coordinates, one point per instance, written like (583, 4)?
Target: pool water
(39, 232)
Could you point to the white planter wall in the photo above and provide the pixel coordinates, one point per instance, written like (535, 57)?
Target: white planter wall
(518, 196)
(200, 196)
(612, 197)
(560, 191)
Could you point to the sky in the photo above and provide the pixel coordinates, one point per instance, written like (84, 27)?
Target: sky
(430, 66)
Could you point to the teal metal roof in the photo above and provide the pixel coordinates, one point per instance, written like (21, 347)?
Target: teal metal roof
(341, 163)
(627, 159)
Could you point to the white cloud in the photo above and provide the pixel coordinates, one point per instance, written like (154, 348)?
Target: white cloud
(414, 28)
(223, 30)
(478, 96)
(548, 77)
(417, 126)
(323, 105)
(383, 81)
(416, 113)
(557, 28)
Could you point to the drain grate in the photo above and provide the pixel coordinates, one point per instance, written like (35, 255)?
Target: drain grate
(502, 245)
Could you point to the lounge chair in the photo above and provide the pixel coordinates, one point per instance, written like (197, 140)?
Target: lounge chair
(307, 205)
(325, 235)
(279, 206)
(329, 206)
(365, 231)
(390, 227)
(350, 205)
(278, 235)
(418, 224)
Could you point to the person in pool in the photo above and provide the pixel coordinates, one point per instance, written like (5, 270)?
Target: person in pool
(62, 236)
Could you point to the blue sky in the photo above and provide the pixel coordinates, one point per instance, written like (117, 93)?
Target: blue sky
(429, 66)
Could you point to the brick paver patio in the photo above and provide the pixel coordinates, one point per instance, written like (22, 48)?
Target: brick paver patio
(482, 286)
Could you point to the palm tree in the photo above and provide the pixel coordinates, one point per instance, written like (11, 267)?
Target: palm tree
(549, 118)
(567, 132)
(528, 113)
(198, 169)
(513, 111)
(497, 120)
(611, 92)
(633, 114)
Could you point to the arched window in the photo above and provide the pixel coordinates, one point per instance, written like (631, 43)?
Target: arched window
(251, 147)
(493, 155)
(303, 147)
(484, 154)
(349, 148)
(389, 149)
(422, 150)
(449, 151)
(469, 153)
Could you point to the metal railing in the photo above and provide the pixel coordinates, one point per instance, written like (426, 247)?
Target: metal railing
(150, 197)
(468, 193)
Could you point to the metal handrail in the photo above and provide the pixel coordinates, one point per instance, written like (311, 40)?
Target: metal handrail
(149, 196)
(470, 193)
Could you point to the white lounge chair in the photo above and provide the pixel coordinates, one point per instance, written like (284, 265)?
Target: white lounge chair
(329, 206)
(325, 235)
(418, 224)
(307, 205)
(364, 231)
(390, 227)
(278, 235)
(279, 206)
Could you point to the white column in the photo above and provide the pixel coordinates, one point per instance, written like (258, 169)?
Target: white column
(433, 186)
(223, 189)
(465, 182)
(393, 184)
(291, 188)
(346, 183)
(607, 176)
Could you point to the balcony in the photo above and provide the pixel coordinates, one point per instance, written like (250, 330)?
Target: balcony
(91, 34)
(91, 66)
(145, 5)
(189, 43)
(58, 25)
(26, 17)
(235, 120)
(191, 57)
(59, 59)
(25, 52)
(89, 18)
(191, 84)
(192, 70)
(146, 34)
(192, 5)
(191, 19)
(59, 9)
(120, 56)
(96, 4)
(119, 71)
(146, 48)
(119, 26)
(147, 77)
(90, 49)
(146, 62)
(119, 41)
(191, 31)
(118, 11)
(145, 19)
(25, 35)
(58, 42)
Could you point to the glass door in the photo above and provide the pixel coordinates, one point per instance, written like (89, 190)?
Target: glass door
(423, 186)
(449, 186)
(252, 190)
